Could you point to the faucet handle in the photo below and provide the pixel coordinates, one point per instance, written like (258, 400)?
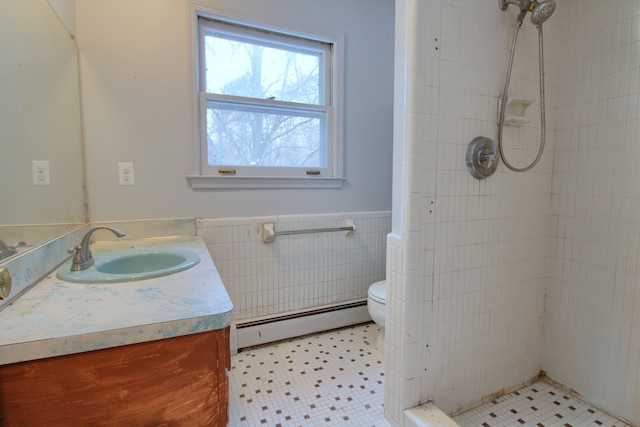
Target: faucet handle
(78, 260)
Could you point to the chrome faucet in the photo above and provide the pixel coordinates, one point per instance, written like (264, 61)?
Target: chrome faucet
(82, 257)
(6, 251)
(3, 246)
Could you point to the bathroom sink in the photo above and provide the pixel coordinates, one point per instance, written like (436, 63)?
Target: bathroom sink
(130, 265)
(143, 262)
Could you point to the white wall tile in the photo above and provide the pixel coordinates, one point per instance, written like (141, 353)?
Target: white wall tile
(297, 271)
(481, 244)
(593, 281)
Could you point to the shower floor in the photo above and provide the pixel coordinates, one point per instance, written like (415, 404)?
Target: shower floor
(336, 378)
(539, 405)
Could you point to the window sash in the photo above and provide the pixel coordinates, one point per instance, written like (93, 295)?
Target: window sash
(270, 39)
(267, 106)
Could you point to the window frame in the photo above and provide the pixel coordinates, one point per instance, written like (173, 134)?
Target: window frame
(202, 177)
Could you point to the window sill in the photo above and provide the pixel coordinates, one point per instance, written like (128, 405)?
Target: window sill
(203, 182)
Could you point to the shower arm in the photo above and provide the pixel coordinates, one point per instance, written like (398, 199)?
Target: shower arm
(526, 5)
(505, 3)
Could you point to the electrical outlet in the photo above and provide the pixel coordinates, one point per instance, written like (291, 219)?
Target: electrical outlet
(125, 173)
(40, 172)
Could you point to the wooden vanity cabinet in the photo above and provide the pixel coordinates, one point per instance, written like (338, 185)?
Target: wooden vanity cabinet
(179, 381)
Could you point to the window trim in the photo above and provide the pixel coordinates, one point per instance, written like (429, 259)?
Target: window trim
(335, 111)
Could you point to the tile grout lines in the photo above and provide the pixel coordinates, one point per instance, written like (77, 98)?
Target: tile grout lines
(540, 405)
(333, 378)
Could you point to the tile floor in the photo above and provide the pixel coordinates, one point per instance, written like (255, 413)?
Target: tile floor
(333, 378)
(539, 405)
(337, 378)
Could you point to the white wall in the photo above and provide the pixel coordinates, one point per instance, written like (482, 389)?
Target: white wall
(135, 89)
(66, 11)
(39, 118)
(467, 258)
(592, 326)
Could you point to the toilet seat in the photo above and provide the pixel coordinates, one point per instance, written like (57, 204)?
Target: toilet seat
(378, 292)
(377, 307)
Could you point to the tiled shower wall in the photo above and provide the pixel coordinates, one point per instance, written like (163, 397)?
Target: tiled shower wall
(468, 263)
(592, 325)
(301, 271)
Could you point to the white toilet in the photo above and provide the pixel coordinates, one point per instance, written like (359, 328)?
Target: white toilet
(376, 306)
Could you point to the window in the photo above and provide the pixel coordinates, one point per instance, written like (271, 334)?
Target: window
(268, 115)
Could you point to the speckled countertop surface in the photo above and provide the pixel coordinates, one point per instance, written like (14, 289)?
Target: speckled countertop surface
(57, 318)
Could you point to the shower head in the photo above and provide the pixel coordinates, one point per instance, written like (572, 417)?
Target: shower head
(542, 11)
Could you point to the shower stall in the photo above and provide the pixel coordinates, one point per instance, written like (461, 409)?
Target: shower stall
(493, 281)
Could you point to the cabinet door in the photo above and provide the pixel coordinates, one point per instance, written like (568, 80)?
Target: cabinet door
(175, 381)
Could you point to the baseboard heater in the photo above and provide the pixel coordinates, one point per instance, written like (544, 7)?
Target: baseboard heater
(251, 332)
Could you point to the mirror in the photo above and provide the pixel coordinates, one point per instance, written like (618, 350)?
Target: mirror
(41, 161)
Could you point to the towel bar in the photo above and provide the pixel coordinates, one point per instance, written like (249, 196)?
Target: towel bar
(269, 232)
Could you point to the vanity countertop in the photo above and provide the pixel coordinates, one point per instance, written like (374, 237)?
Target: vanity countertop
(55, 317)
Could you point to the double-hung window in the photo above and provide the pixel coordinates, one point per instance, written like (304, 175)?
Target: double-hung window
(267, 108)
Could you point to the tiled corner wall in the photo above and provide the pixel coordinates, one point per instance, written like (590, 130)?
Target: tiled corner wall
(394, 346)
(301, 271)
(592, 324)
(470, 306)
(556, 249)
(486, 258)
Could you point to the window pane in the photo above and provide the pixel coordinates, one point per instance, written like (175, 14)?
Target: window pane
(251, 136)
(241, 66)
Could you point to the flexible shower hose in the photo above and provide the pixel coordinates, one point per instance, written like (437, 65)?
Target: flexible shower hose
(504, 100)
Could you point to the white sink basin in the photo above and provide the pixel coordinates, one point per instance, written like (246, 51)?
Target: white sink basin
(130, 265)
